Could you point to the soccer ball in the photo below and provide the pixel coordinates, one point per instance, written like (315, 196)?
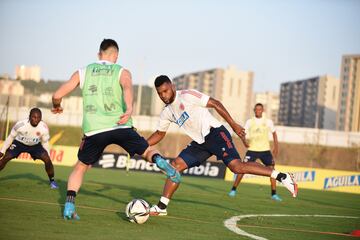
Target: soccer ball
(137, 211)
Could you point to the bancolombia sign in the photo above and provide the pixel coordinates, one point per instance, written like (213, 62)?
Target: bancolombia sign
(137, 163)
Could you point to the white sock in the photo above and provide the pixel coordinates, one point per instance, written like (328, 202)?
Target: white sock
(164, 200)
(274, 174)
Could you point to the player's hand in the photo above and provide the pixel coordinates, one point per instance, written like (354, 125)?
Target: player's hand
(124, 118)
(239, 130)
(246, 144)
(56, 110)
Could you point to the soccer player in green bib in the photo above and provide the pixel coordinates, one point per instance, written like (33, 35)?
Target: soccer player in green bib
(107, 106)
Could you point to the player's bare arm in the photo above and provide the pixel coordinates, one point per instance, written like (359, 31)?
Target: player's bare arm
(156, 137)
(64, 89)
(221, 110)
(126, 84)
(276, 145)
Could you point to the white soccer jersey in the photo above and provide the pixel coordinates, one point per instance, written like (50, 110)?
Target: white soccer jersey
(189, 112)
(25, 133)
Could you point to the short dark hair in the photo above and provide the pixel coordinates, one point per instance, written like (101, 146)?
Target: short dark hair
(35, 110)
(160, 80)
(259, 104)
(107, 43)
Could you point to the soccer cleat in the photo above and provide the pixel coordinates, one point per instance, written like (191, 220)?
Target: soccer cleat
(276, 197)
(176, 178)
(290, 184)
(53, 185)
(156, 211)
(232, 193)
(169, 170)
(69, 211)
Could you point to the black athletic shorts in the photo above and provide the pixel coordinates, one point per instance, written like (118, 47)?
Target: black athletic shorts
(36, 151)
(218, 142)
(265, 157)
(92, 147)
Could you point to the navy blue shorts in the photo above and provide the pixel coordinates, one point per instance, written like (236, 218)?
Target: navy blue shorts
(218, 142)
(35, 151)
(265, 157)
(92, 147)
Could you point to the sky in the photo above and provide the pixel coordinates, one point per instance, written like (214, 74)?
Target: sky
(279, 40)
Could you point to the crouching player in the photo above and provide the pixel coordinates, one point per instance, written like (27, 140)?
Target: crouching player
(30, 135)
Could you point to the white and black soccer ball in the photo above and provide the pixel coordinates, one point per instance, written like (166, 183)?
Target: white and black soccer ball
(137, 211)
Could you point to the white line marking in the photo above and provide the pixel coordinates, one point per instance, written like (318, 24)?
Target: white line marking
(232, 226)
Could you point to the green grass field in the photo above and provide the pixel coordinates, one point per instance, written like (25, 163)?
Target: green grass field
(29, 209)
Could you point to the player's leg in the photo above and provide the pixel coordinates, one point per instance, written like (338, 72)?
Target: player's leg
(250, 157)
(169, 189)
(193, 155)
(12, 152)
(236, 166)
(268, 160)
(49, 168)
(5, 159)
(74, 183)
(154, 156)
(274, 195)
(236, 183)
(133, 143)
(89, 152)
(38, 152)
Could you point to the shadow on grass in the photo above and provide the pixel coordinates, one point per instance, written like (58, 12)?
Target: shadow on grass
(102, 191)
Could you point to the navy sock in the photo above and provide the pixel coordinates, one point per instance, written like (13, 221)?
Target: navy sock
(161, 205)
(280, 176)
(273, 192)
(70, 196)
(233, 188)
(155, 157)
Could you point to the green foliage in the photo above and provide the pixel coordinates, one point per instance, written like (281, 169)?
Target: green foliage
(34, 88)
(71, 135)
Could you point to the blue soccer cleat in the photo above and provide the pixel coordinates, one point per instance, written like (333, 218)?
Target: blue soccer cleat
(69, 211)
(169, 170)
(232, 193)
(53, 185)
(276, 197)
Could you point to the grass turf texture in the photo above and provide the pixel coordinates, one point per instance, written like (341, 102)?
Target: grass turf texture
(29, 209)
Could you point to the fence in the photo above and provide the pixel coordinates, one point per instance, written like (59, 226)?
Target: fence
(149, 123)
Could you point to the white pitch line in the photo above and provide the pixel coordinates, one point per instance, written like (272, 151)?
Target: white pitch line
(231, 223)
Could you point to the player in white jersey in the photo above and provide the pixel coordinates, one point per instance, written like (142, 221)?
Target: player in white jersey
(188, 109)
(32, 136)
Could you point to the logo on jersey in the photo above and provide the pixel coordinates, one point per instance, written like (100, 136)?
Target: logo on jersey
(103, 70)
(109, 91)
(182, 107)
(110, 107)
(92, 89)
(90, 109)
(182, 119)
(37, 133)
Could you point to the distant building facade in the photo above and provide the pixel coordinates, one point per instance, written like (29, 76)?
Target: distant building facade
(229, 85)
(348, 118)
(23, 72)
(310, 103)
